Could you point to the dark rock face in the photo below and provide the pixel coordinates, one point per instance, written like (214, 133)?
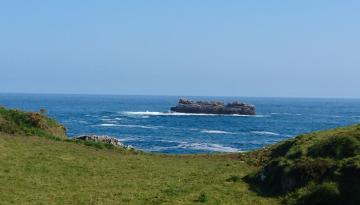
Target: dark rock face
(188, 106)
(104, 139)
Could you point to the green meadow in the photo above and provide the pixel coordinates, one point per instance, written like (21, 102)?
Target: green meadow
(40, 165)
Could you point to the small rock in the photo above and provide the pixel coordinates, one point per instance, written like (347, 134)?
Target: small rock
(104, 139)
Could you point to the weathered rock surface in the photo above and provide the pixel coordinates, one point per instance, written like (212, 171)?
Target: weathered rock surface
(189, 106)
(104, 139)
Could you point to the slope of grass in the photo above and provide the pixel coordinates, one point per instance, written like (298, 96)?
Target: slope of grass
(37, 170)
(316, 168)
(39, 165)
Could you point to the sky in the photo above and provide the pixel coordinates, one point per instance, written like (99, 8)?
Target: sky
(192, 48)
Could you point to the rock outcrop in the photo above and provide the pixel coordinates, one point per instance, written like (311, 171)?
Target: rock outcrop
(188, 106)
(104, 139)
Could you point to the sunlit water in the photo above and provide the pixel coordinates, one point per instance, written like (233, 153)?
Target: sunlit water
(146, 123)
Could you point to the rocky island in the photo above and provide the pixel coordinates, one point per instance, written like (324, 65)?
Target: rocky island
(216, 107)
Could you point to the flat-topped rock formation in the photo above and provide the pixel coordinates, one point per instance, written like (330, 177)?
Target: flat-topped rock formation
(216, 107)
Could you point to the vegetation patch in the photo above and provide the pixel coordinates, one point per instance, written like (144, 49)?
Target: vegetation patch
(38, 167)
(233, 179)
(13, 121)
(202, 198)
(316, 168)
(313, 168)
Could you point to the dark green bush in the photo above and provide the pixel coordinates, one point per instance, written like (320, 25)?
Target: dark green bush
(316, 194)
(282, 149)
(202, 198)
(349, 181)
(317, 168)
(336, 147)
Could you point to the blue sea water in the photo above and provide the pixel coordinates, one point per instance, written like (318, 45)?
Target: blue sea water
(146, 123)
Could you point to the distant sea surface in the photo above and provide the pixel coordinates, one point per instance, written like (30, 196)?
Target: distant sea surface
(146, 123)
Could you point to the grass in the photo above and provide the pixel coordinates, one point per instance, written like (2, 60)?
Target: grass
(40, 165)
(38, 170)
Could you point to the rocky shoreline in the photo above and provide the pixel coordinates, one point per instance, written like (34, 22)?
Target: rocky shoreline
(216, 107)
(104, 139)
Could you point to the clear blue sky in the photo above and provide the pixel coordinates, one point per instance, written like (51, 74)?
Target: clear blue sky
(308, 48)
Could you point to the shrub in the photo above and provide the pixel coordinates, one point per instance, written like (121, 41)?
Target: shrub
(317, 168)
(202, 198)
(349, 180)
(29, 123)
(338, 147)
(313, 194)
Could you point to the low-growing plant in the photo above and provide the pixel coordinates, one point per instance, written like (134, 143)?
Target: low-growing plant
(313, 165)
(29, 123)
(338, 147)
(316, 194)
(202, 198)
(233, 179)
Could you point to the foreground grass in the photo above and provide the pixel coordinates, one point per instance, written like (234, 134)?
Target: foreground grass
(40, 165)
(38, 170)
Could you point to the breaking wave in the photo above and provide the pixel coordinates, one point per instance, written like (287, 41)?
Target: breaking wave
(285, 113)
(265, 133)
(207, 147)
(196, 146)
(216, 132)
(129, 126)
(148, 113)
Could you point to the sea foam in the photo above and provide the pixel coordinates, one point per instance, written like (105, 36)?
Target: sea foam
(208, 147)
(265, 133)
(129, 126)
(216, 132)
(149, 113)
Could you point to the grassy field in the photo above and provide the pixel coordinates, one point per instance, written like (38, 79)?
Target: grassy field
(40, 165)
(37, 170)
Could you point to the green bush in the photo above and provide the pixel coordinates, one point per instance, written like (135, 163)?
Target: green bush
(349, 180)
(337, 147)
(202, 198)
(316, 194)
(29, 123)
(318, 165)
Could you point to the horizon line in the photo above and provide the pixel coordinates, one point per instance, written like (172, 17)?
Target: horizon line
(174, 95)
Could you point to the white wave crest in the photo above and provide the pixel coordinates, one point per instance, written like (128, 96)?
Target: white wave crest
(216, 132)
(285, 113)
(208, 147)
(108, 125)
(109, 121)
(141, 126)
(197, 146)
(130, 126)
(82, 122)
(265, 133)
(125, 139)
(106, 119)
(148, 113)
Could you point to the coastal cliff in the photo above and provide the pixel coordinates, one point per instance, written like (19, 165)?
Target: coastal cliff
(189, 106)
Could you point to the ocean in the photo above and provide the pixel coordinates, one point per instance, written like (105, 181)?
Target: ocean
(146, 123)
